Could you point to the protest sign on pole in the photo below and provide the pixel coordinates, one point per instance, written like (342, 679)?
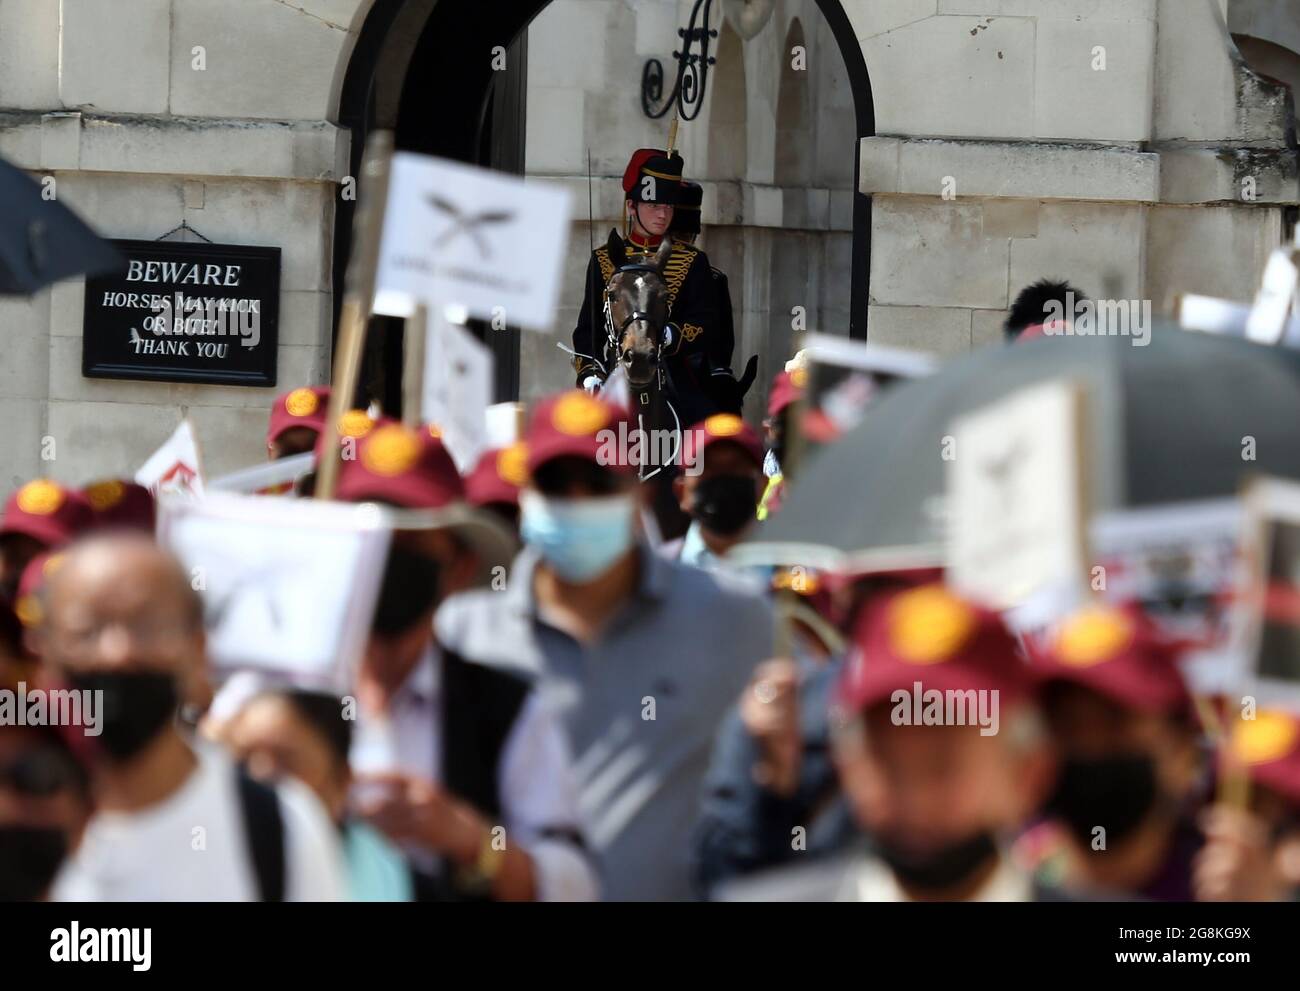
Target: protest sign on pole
(847, 376)
(1016, 492)
(175, 468)
(289, 585)
(359, 290)
(1276, 301)
(457, 378)
(1268, 619)
(1182, 564)
(267, 478)
(505, 424)
(457, 234)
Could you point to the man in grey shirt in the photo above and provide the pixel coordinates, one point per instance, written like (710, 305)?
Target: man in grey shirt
(640, 656)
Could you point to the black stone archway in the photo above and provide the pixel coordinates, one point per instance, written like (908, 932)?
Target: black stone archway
(423, 69)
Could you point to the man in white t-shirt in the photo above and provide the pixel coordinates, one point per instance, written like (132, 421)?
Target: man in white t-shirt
(174, 821)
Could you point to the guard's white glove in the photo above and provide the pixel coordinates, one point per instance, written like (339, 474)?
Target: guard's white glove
(592, 384)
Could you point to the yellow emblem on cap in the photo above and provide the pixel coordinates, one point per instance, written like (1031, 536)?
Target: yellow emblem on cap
(724, 425)
(435, 431)
(512, 464)
(105, 495)
(301, 402)
(355, 423)
(391, 451)
(28, 610)
(1092, 636)
(40, 498)
(578, 415)
(799, 377)
(1267, 737)
(928, 625)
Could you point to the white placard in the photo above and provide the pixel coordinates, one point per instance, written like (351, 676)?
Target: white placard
(1268, 619)
(1015, 494)
(258, 479)
(175, 468)
(289, 585)
(457, 389)
(1211, 315)
(488, 241)
(504, 424)
(1182, 564)
(1276, 299)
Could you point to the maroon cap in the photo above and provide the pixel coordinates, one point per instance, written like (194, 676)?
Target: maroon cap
(353, 425)
(304, 407)
(1116, 652)
(724, 427)
(574, 424)
(498, 476)
(787, 387)
(403, 467)
(929, 635)
(27, 606)
(118, 503)
(48, 512)
(1268, 747)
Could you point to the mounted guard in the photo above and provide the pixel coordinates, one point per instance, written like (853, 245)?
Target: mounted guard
(693, 348)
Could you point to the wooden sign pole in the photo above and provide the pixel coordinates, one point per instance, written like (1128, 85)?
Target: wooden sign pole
(358, 298)
(414, 341)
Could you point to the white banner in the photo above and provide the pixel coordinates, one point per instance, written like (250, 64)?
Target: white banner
(457, 389)
(175, 468)
(485, 240)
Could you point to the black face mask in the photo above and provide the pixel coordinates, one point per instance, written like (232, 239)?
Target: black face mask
(30, 857)
(137, 706)
(1115, 793)
(942, 869)
(408, 591)
(725, 503)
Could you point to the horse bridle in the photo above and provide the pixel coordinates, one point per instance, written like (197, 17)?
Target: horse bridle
(616, 333)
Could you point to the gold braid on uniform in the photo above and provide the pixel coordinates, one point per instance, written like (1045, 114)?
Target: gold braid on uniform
(606, 273)
(606, 265)
(675, 269)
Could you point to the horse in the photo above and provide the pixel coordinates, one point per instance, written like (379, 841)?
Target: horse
(638, 341)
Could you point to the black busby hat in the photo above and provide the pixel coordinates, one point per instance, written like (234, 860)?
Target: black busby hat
(654, 164)
(686, 212)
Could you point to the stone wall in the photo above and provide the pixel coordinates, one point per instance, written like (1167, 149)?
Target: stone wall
(1121, 144)
(1003, 153)
(773, 148)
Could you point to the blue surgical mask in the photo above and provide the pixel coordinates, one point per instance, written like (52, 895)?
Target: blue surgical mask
(579, 539)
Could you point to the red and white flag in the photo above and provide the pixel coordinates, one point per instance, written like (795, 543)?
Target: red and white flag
(175, 467)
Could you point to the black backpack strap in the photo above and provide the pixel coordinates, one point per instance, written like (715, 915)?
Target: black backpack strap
(264, 828)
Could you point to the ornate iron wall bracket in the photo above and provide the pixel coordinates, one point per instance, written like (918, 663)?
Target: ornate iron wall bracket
(692, 78)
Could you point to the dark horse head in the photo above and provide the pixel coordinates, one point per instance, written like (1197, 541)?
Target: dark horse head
(636, 312)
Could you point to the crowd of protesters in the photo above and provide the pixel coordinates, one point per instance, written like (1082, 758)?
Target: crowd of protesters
(617, 720)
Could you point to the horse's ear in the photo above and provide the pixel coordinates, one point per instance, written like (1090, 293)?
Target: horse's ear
(661, 256)
(616, 252)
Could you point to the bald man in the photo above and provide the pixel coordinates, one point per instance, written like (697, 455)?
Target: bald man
(175, 819)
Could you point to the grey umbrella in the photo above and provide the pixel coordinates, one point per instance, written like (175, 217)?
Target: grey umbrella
(42, 241)
(1166, 422)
